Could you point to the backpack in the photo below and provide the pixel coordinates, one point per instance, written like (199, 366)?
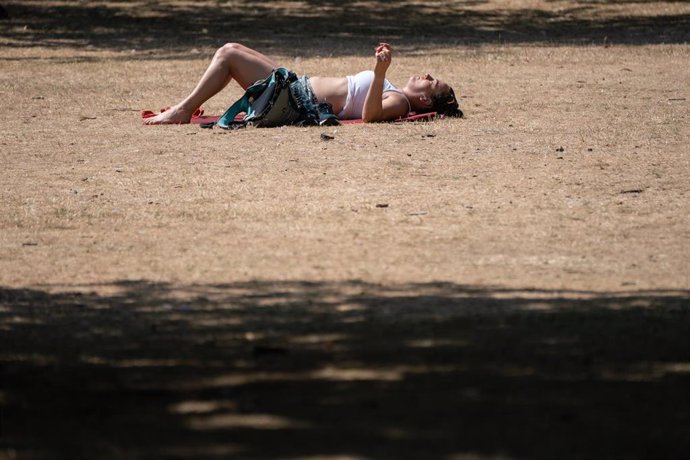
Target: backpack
(281, 99)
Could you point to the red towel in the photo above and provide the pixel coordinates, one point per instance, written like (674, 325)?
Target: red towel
(412, 117)
(198, 117)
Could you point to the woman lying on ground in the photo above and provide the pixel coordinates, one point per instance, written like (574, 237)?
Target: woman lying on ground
(367, 95)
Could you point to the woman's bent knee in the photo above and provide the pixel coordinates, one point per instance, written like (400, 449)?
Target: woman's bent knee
(228, 50)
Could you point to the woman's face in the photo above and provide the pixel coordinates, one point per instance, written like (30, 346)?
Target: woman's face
(427, 85)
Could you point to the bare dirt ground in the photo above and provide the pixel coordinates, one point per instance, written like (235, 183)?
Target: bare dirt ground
(514, 284)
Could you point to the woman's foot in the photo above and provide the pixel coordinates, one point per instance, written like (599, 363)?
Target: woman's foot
(172, 116)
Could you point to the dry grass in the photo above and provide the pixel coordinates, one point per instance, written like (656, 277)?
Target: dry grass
(89, 194)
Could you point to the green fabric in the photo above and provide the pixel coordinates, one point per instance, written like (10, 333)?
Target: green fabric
(281, 99)
(265, 103)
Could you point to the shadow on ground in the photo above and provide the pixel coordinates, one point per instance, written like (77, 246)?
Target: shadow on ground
(299, 370)
(330, 27)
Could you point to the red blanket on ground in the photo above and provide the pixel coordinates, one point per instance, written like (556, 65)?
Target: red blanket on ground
(198, 118)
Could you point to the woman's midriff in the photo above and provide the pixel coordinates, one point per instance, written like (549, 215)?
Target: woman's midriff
(330, 89)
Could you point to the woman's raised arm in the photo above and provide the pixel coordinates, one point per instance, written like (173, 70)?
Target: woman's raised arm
(376, 107)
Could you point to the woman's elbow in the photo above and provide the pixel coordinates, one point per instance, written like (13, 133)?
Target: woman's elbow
(369, 118)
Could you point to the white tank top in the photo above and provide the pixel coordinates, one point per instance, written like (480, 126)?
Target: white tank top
(357, 89)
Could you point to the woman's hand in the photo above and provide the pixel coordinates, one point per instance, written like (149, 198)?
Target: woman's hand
(384, 55)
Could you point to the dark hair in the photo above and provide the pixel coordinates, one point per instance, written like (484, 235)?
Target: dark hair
(446, 104)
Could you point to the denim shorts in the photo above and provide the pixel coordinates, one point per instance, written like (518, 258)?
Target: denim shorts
(303, 94)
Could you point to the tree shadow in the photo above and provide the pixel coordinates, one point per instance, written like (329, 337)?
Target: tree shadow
(326, 27)
(324, 369)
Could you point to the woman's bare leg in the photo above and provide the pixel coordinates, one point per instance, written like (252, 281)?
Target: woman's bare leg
(232, 60)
